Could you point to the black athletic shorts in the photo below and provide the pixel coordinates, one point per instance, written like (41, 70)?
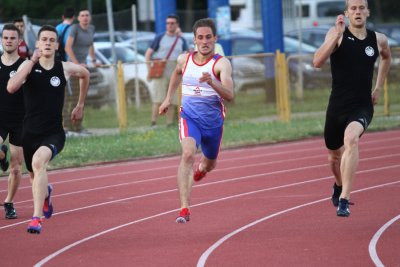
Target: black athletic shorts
(335, 125)
(32, 142)
(13, 131)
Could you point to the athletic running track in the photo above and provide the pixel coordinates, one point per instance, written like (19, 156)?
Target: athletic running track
(265, 205)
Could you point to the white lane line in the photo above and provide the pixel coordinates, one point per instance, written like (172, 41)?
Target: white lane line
(62, 250)
(151, 161)
(216, 171)
(212, 183)
(203, 258)
(372, 244)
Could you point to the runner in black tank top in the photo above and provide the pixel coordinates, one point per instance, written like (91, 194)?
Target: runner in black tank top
(43, 136)
(353, 51)
(12, 112)
(44, 98)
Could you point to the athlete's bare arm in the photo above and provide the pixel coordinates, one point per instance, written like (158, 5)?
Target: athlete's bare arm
(175, 80)
(223, 68)
(16, 81)
(384, 65)
(75, 70)
(332, 40)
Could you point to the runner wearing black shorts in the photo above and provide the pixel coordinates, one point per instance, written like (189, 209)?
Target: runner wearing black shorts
(353, 51)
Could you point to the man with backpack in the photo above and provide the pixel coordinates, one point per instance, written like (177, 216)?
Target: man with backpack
(63, 31)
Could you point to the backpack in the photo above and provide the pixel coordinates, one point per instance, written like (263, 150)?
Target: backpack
(60, 53)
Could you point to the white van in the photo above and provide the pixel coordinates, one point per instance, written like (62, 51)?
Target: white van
(319, 12)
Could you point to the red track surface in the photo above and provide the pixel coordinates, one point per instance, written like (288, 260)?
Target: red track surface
(262, 206)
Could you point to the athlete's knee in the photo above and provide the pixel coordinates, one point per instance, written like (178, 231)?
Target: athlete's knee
(38, 165)
(351, 140)
(16, 170)
(334, 157)
(188, 156)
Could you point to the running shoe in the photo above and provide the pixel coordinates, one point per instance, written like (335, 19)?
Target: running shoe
(4, 162)
(343, 208)
(337, 190)
(48, 206)
(198, 175)
(35, 226)
(184, 216)
(10, 211)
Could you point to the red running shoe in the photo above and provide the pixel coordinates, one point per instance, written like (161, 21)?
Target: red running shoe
(198, 175)
(35, 226)
(184, 216)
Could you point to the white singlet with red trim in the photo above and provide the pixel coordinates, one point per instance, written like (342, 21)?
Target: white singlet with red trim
(200, 102)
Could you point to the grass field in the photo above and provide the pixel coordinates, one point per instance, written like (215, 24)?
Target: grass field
(251, 120)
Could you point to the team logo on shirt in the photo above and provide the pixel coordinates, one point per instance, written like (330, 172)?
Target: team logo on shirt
(12, 73)
(369, 51)
(197, 91)
(55, 81)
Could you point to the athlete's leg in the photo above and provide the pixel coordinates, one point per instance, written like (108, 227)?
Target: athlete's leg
(185, 170)
(40, 162)
(15, 175)
(334, 159)
(350, 157)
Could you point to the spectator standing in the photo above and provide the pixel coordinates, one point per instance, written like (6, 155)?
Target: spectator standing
(64, 28)
(79, 44)
(23, 49)
(172, 44)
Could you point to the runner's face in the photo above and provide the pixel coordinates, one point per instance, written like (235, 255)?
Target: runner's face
(357, 12)
(47, 43)
(10, 41)
(205, 40)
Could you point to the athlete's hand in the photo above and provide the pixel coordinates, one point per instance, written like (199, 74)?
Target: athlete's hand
(340, 25)
(206, 77)
(375, 96)
(77, 114)
(163, 107)
(36, 55)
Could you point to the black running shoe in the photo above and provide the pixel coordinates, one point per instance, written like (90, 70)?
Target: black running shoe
(4, 162)
(10, 211)
(343, 208)
(337, 190)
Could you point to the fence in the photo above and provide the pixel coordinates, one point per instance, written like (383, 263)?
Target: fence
(256, 97)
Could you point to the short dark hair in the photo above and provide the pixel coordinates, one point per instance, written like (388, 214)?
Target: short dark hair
(69, 12)
(173, 16)
(206, 22)
(11, 27)
(18, 20)
(47, 28)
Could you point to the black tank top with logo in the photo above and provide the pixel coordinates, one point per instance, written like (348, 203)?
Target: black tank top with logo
(352, 67)
(11, 105)
(44, 99)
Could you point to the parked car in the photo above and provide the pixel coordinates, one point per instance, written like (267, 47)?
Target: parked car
(319, 12)
(391, 30)
(105, 36)
(315, 36)
(129, 58)
(143, 41)
(253, 44)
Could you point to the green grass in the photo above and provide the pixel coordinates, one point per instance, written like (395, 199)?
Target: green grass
(251, 120)
(159, 141)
